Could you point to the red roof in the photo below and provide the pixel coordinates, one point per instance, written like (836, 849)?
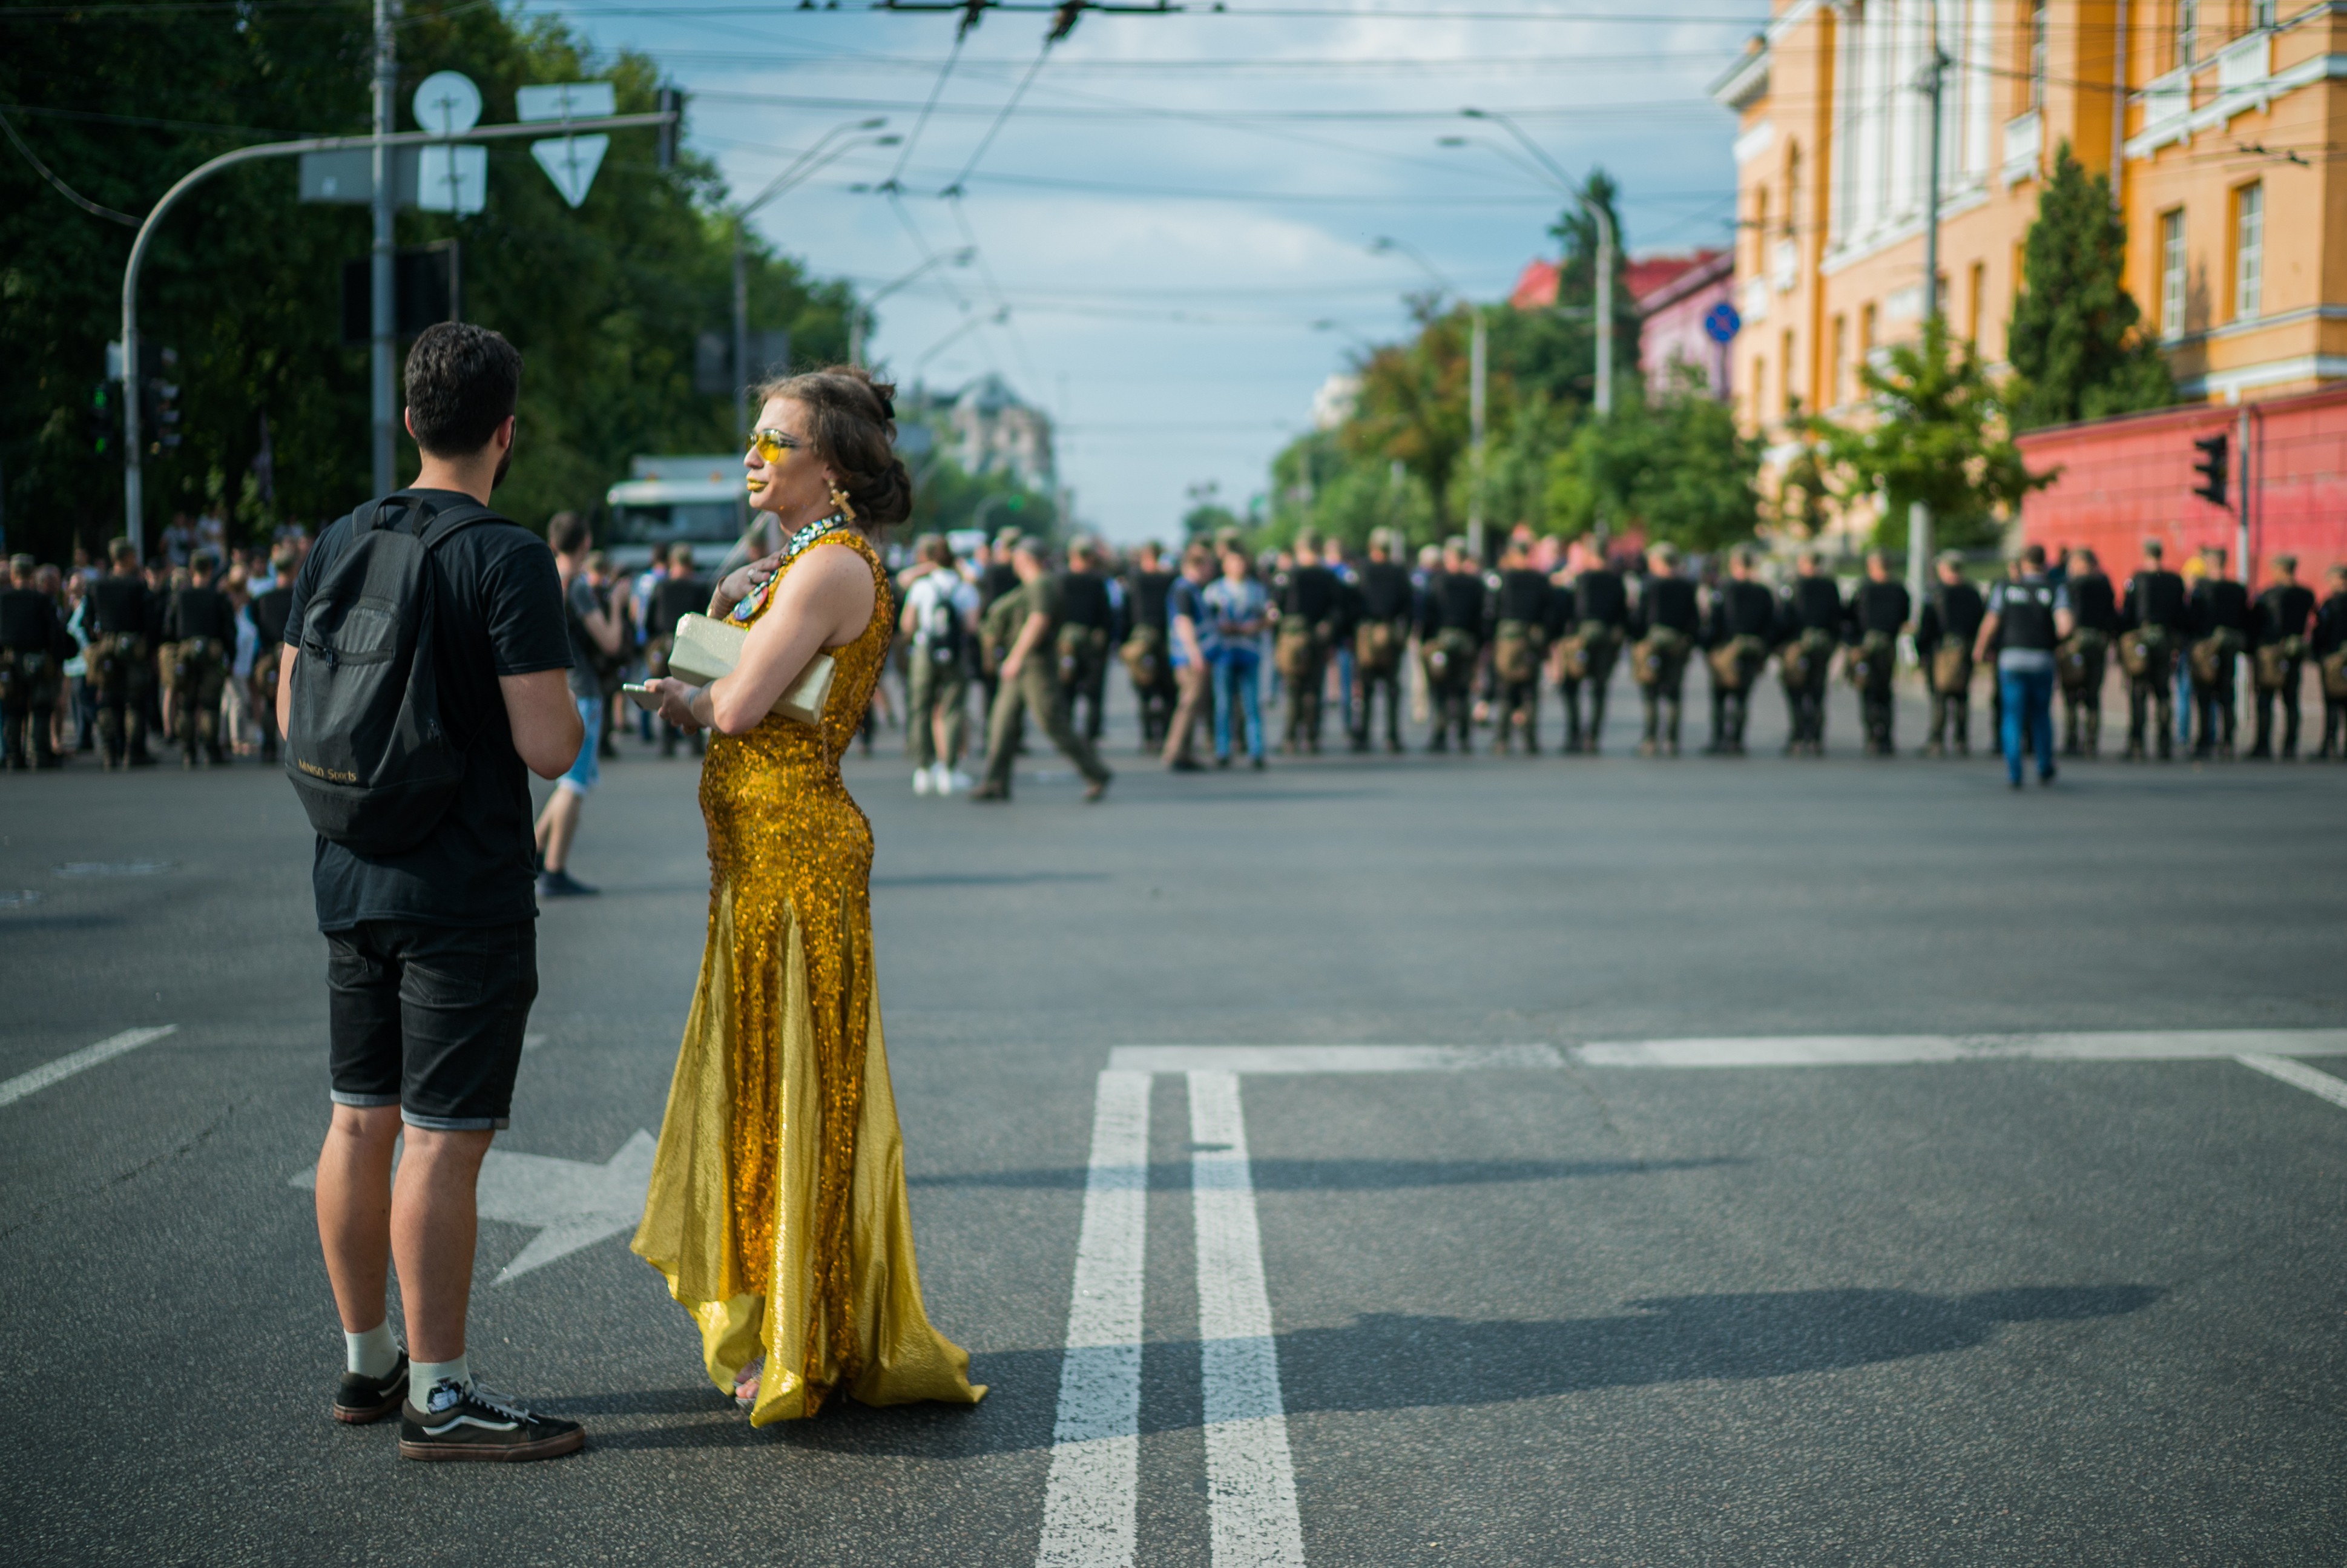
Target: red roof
(1535, 289)
(1536, 285)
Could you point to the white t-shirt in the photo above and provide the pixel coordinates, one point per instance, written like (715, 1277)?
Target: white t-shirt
(936, 599)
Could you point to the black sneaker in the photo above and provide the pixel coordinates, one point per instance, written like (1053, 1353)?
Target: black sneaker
(361, 1399)
(562, 884)
(467, 1421)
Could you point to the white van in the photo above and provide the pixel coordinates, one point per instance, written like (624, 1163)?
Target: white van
(698, 499)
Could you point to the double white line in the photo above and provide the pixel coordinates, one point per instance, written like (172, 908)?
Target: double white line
(1090, 1515)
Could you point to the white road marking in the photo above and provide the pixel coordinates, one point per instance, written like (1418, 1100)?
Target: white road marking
(2299, 1075)
(1089, 1510)
(1250, 1474)
(1332, 1058)
(1861, 1049)
(572, 1203)
(65, 1067)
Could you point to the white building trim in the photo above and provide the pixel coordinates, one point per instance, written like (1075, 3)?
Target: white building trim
(2230, 384)
(2168, 117)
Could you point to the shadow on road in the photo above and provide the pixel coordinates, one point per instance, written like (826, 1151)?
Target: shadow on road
(1387, 1360)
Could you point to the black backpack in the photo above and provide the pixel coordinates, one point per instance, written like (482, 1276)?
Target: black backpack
(366, 749)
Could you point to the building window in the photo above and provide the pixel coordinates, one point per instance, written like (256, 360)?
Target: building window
(1977, 299)
(2262, 13)
(1837, 391)
(2188, 33)
(2171, 273)
(2037, 52)
(1785, 358)
(1792, 189)
(1866, 332)
(1759, 230)
(2249, 251)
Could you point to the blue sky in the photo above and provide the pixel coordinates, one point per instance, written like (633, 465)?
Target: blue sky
(1178, 215)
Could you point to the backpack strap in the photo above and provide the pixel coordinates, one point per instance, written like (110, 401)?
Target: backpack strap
(438, 523)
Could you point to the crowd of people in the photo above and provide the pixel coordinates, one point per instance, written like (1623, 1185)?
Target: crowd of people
(185, 647)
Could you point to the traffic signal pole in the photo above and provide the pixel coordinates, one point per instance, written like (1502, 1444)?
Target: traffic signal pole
(382, 345)
(133, 487)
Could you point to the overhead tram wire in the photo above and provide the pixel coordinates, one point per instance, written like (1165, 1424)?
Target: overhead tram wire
(927, 109)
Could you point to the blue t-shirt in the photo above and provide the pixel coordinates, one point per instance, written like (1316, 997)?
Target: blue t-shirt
(1231, 605)
(1184, 598)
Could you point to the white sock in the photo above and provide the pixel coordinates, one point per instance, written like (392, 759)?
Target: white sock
(372, 1354)
(423, 1375)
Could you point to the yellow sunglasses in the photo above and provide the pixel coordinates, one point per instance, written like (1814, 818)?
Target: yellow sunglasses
(770, 445)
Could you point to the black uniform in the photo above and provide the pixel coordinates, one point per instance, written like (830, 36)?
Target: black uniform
(1598, 610)
(200, 628)
(2221, 633)
(1147, 644)
(1308, 602)
(1382, 605)
(1809, 628)
(127, 624)
(1086, 632)
(1738, 636)
(2278, 637)
(1877, 613)
(33, 648)
(2083, 659)
(2154, 620)
(1521, 610)
(1664, 623)
(2329, 646)
(1944, 635)
(1451, 628)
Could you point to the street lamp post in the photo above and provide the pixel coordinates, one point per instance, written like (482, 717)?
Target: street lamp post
(1918, 513)
(1607, 246)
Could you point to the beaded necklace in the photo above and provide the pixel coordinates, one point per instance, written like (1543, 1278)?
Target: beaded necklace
(813, 534)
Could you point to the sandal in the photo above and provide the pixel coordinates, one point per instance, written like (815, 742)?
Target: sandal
(745, 1385)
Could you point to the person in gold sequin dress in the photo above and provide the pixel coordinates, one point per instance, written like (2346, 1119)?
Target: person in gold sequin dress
(777, 1210)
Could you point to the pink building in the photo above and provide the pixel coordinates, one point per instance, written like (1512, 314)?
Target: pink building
(1674, 295)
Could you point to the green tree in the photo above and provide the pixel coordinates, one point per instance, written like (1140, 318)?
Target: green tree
(1939, 436)
(1556, 352)
(2074, 342)
(1675, 466)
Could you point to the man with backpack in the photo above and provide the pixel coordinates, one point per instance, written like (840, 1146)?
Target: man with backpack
(410, 732)
(596, 635)
(941, 616)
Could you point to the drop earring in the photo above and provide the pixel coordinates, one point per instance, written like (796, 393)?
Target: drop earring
(839, 502)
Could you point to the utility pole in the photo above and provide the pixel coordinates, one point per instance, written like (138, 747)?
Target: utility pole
(384, 325)
(1605, 304)
(1477, 358)
(1918, 513)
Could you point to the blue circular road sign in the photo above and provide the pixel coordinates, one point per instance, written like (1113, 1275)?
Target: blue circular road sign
(1721, 323)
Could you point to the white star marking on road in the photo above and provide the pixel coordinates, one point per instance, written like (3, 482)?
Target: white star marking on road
(573, 1203)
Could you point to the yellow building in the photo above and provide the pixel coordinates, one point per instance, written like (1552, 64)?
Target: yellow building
(2222, 114)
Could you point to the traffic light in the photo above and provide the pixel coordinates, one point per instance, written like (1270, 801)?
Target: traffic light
(672, 101)
(2213, 470)
(159, 402)
(98, 422)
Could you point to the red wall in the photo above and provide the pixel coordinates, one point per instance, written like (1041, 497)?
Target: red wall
(2129, 479)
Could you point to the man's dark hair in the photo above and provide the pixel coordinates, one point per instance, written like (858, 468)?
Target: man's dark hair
(2034, 557)
(567, 533)
(462, 384)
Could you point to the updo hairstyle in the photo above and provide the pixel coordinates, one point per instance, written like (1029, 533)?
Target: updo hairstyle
(852, 419)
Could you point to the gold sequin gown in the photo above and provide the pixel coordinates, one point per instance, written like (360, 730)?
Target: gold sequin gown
(777, 1207)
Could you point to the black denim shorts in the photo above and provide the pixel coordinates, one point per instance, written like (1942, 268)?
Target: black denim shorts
(430, 1018)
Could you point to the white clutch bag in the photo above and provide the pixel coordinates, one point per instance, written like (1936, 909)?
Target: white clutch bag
(706, 648)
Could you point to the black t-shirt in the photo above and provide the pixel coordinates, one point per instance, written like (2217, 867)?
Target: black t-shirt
(497, 605)
(269, 609)
(1146, 593)
(673, 598)
(201, 612)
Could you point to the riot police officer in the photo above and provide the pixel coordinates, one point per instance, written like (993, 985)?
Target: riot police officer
(1450, 632)
(1380, 639)
(1736, 642)
(200, 631)
(1086, 632)
(1598, 607)
(2220, 634)
(1944, 642)
(1808, 629)
(2153, 619)
(1148, 644)
(127, 620)
(1879, 612)
(2084, 655)
(1664, 622)
(1306, 600)
(2329, 647)
(1522, 611)
(2277, 642)
(34, 647)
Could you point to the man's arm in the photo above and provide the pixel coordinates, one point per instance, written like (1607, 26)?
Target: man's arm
(1987, 638)
(1185, 638)
(547, 729)
(1029, 634)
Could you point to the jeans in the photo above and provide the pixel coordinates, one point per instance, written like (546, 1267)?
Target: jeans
(2028, 696)
(1236, 693)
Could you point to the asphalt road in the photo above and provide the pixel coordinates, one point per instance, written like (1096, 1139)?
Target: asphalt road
(1991, 1311)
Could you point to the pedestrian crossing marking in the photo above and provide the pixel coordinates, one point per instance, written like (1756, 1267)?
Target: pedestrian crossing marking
(88, 1056)
(2298, 1075)
(1891, 1050)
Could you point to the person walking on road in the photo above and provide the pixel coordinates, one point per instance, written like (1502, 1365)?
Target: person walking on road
(1239, 609)
(776, 1211)
(2027, 620)
(595, 632)
(432, 955)
(941, 618)
(1030, 679)
(1192, 649)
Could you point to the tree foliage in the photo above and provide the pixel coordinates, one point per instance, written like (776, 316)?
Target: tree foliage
(1675, 467)
(2074, 342)
(244, 281)
(1939, 436)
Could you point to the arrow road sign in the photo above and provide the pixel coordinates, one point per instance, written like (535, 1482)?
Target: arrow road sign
(574, 1205)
